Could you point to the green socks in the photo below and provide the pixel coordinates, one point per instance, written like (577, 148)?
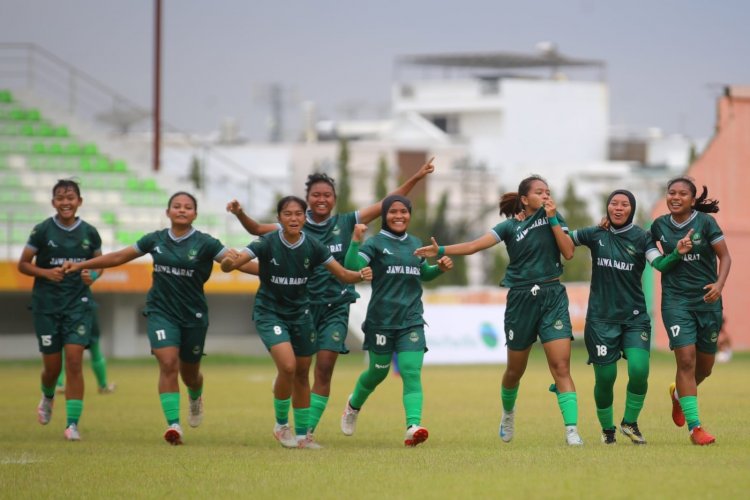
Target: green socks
(195, 393)
(568, 403)
(410, 367)
(690, 409)
(605, 376)
(170, 405)
(606, 417)
(633, 407)
(73, 408)
(318, 405)
(370, 378)
(49, 392)
(508, 397)
(98, 364)
(301, 420)
(281, 409)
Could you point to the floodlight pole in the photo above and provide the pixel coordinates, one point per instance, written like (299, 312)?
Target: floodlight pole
(156, 160)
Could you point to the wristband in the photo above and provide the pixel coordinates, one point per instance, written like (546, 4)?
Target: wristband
(441, 252)
(553, 221)
(94, 275)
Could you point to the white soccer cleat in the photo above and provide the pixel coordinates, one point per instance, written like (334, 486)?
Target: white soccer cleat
(44, 410)
(349, 419)
(285, 436)
(308, 442)
(195, 416)
(415, 435)
(507, 423)
(71, 433)
(572, 437)
(108, 389)
(173, 434)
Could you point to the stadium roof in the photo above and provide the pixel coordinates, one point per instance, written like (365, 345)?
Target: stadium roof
(500, 60)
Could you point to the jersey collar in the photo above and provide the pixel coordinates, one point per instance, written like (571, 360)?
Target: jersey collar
(680, 225)
(290, 245)
(622, 229)
(392, 236)
(309, 219)
(66, 228)
(181, 238)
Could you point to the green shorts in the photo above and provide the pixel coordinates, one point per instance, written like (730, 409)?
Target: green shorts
(275, 330)
(54, 330)
(606, 342)
(332, 324)
(533, 311)
(165, 332)
(401, 340)
(699, 328)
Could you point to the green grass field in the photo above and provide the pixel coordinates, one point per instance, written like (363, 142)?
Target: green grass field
(233, 453)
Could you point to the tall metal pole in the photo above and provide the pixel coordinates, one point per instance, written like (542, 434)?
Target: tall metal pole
(156, 160)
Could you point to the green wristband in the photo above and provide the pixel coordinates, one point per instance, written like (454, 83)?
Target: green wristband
(441, 252)
(553, 221)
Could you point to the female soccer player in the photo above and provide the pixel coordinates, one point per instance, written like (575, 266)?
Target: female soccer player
(537, 303)
(691, 294)
(61, 305)
(394, 321)
(287, 261)
(616, 319)
(176, 309)
(330, 300)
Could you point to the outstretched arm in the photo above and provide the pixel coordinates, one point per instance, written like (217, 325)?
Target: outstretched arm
(234, 260)
(664, 263)
(347, 276)
(113, 259)
(251, 225)
(487, 240)
(429, 273)
(368, 214)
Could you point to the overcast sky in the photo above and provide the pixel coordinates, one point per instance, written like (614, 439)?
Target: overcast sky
(665, 59)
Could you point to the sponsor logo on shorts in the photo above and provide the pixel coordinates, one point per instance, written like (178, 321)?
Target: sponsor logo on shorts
(336, 336)
(81, 330)
(644, 336)
(558, 325)
(636, 312)
(382, 367)
(197, 349)
(312, 336)
(199, 315)
(414, 337)
(714, 336)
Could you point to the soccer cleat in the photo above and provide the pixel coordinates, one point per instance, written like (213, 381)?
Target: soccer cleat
(349, 419)
(44, 410)
(507, 425)
(71, 433)
(631, 430)
(700, 437)
(285, 436)
(415, 435)
(308, 442)
(108, 389)
(609, 436)
(173, 434)
(677, 416)
(572, 437)
(195, 414)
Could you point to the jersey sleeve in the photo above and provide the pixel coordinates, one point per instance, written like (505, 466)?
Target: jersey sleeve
(258, 248)
(146, 244)
(500, 231)
(36, 238)
(367, 251)
(96, 240)
(715, 234)
(215, 249)
(321, 253)
(582, 236)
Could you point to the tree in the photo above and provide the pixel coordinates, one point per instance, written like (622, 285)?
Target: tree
(381, 181)
(445, 232)
(196, 173)
(344, 202)
(576, 217)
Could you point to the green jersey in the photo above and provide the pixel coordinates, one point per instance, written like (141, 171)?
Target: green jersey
(53, 244)
(618, 257)
(682, 286)
(396, 301)
(335, 233)
(285, 270)
(181, 267)
(532, 248)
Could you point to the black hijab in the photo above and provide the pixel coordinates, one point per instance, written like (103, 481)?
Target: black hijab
(386, 205)
(631, 198)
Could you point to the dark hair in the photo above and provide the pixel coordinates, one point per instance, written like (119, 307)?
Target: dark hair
(286, 200)
(702, 203)
(179, 193)
(317, 177)
(510, 203)
(66, 184)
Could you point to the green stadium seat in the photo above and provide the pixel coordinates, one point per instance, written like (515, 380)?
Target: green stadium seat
(39, 148)
(132, 185)
(101, 164)
(54, 149)
(17, 114)
(119, 166)
(109, 218)
(61, 132)
(6, 96)
(90, 149)
(27, 130)
(73, 149)
(45, 130)
(33, 115)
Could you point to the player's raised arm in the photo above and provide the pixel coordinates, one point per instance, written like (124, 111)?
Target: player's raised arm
(251, 225)
(368, 214)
